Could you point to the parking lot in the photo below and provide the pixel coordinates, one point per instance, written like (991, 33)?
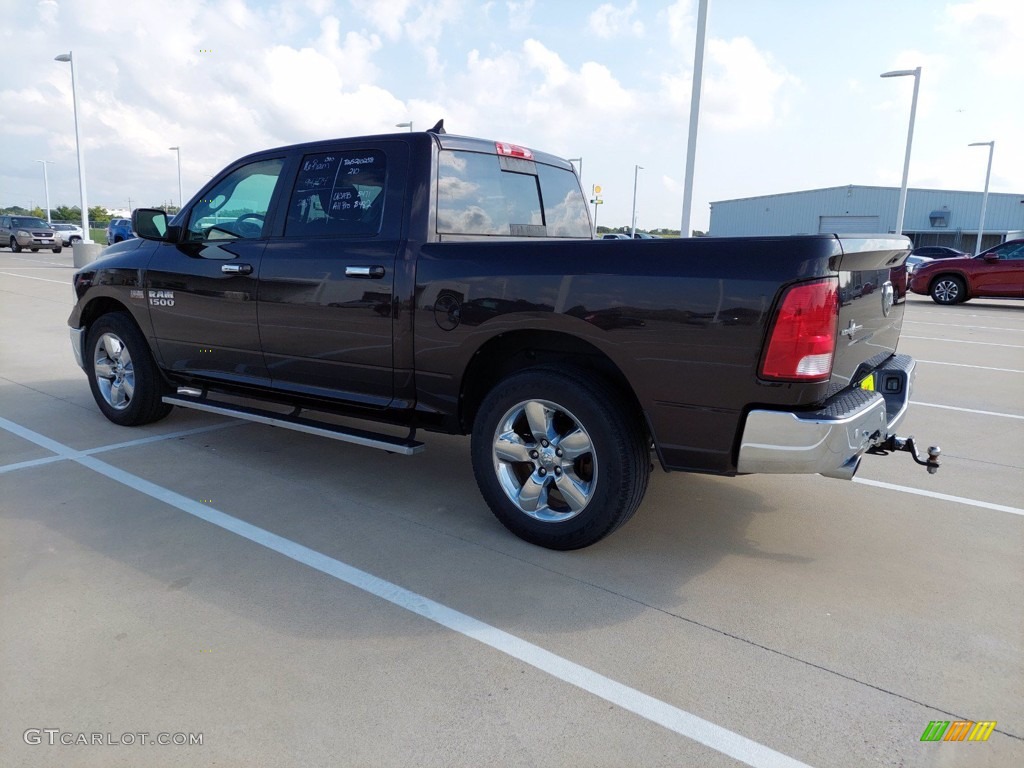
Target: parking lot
(288, 600)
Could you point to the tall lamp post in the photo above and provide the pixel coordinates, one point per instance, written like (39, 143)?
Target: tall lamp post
(46, 188)
(984, 198)
(405, 125)
(691, 139)
(78, 143)
(636, 171)
(181, 201)
(916, 73)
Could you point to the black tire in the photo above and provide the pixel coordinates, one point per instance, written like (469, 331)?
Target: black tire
(58, 249)
(118, 239)
(948, 289)
(127, 389)
(74, 239)
(604, 467)
(15, 248)
(34, 250)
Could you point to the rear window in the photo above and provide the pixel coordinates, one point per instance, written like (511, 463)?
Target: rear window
(483, 194)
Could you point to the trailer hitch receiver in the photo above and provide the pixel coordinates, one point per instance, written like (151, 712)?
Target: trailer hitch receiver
(894, 443)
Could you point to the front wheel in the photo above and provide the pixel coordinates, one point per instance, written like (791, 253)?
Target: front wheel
(948, 289)
(14, 246)
(558, 459)
(123, 376)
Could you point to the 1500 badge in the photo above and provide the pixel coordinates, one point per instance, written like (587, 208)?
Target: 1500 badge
(161, 298)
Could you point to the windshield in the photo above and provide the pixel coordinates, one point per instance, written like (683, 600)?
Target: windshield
(27, 221)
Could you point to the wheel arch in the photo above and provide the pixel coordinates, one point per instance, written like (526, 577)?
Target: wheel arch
(961, 276)
(508, 353)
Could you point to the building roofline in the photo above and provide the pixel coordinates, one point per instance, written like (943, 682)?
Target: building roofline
(868, 186)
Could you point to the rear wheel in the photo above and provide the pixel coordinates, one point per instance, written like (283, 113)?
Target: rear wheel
(948, 289)
(123, 376)
(557, 458)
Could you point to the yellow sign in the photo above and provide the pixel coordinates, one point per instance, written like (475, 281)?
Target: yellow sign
(597, 189)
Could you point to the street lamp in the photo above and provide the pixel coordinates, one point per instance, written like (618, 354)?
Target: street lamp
(636, 171)
(691, 139)
(78, 143)
(405, 125)
(910, 138)
(984, 198)
(46, 188)
(181, 201)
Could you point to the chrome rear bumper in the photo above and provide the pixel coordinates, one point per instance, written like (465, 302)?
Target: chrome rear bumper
(831, 440)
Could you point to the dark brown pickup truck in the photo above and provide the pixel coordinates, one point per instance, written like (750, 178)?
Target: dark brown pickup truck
(443, 283)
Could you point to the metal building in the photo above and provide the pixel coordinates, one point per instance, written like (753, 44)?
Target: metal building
(932, 217)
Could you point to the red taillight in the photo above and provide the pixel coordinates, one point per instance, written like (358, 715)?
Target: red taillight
(802, 343)
(513, 150)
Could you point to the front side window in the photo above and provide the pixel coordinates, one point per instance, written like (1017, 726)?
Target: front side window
(338, 193)
(236, 207)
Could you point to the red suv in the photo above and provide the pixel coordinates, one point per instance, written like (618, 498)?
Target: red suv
(999, 271)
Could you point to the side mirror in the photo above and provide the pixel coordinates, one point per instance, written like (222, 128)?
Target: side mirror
(151, 224)
(991, 257)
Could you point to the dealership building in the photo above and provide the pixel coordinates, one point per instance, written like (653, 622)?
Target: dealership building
(932, 216)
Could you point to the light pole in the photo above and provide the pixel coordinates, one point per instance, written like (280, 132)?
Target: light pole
(691, 139)
(405, 125)
(580, 161)
(984, 198)
(78, 143)
(46, 189)
(181, 201)
(636, 171)
(910, 138)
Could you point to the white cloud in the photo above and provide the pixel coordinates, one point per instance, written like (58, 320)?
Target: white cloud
(609, 21)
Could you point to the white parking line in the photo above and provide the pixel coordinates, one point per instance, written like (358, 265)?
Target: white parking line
(116, 446)
(967, 410)
(943, 496)
(960, 341)
(677, 720)
(29, 277)
(959, 325)
(979, 367)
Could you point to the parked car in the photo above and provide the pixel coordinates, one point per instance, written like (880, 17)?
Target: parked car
(69, 233)
(20, 232)
(615, 236)
(118, 230)
(915, 261)
(997, 272)
(346, 277)
(646, 236)
(938, 252)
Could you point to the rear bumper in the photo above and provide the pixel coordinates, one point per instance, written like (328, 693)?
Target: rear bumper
(829, 441)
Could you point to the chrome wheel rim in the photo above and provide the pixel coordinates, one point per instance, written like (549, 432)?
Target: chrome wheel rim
(545, 461)
(115, 374)
(947, 290)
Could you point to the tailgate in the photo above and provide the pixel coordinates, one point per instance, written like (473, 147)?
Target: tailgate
(870, 307)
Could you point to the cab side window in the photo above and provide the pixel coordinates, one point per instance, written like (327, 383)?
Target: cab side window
(338, 193)
(236, 207)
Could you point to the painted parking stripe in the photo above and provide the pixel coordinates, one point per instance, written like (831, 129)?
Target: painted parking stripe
(961, 341)
(978, 367)
(677, 720)
(959, 325)
(117, 446)
(942, 496)
(967, 410)
(29, 277)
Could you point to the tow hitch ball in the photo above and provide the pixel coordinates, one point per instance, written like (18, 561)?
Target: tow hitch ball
(894, 443)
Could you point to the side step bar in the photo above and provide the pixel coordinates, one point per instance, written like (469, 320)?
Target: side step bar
(403, 445)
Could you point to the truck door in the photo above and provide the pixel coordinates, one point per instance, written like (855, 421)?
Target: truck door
(202, 290)
(326, 290)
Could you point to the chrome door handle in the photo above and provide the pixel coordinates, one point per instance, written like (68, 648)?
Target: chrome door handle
(236, 269)
(374, 273)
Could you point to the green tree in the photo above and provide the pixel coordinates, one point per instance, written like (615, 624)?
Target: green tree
(98, 215)
(64, 213)
(38, 212)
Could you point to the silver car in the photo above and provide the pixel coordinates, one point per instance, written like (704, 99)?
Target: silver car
(69, 233)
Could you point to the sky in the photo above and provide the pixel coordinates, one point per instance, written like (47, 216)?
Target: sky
(791, 99)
